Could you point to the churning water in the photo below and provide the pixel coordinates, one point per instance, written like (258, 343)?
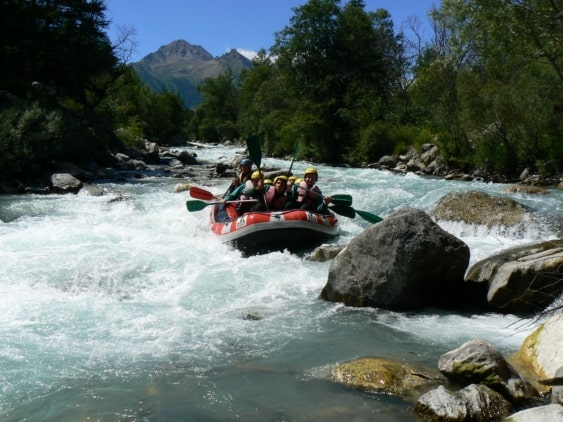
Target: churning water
(131, 310)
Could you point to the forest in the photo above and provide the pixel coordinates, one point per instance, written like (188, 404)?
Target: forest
(486, 87)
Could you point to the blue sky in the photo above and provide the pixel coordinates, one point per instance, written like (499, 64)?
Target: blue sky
(221, 25)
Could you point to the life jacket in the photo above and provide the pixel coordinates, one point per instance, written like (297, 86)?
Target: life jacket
(274, 199)
(312, 198)
(243, 177)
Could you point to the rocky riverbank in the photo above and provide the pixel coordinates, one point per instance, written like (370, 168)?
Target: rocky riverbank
(154, 160)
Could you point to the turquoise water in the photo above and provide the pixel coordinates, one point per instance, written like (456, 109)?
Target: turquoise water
(131, 310)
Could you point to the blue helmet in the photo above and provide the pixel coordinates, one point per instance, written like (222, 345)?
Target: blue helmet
(246, 162)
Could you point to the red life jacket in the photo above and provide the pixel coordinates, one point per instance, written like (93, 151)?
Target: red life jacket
(312, 197)
(274, 199)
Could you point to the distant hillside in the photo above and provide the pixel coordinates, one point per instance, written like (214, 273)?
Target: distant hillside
(181, 66)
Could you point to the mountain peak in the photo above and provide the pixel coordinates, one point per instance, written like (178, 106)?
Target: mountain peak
(180, 67)
(182, 50)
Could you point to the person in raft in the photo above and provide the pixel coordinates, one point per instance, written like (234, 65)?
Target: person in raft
(243, 177)
(276, 194)
(309, 195)
(253, 189)
(291, 193)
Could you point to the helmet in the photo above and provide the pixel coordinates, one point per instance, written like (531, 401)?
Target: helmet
(246, 162)
(294, 178)
(282, 177)
(311, 170)
(267, 181)
(256, 175)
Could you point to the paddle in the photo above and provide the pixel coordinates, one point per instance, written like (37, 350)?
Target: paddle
(254, 150)
(350, 212)
(294, 157)
(199, 205)
(369, 217)
(343, 210)
(342, 199)
(337, 199)
(200, 193)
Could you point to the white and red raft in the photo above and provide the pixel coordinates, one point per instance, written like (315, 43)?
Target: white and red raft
(261, 232)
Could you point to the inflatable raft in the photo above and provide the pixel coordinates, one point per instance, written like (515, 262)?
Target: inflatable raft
(261, 232)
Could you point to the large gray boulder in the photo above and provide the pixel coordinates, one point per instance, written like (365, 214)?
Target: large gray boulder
(405, 262)
(472, 403)
(523, 279)
(65, 183)
(478, 362)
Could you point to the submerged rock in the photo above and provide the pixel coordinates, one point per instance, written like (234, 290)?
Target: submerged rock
(480, 208)
(387, 376)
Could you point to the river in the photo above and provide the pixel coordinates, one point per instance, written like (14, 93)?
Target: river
(131, 310)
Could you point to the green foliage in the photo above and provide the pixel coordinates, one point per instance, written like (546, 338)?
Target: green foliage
(219, 107)
(32, 137)
(488, 88)
(61, 44)
(131, 134)
(375, 141)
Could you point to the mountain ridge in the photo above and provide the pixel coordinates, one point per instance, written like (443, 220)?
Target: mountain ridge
(180, 67)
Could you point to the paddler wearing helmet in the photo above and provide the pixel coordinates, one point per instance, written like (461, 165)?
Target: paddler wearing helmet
(309, 195)
(245, 172)
(276, 195)
(254, 189)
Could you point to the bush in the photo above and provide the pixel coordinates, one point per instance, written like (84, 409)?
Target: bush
(33, 136)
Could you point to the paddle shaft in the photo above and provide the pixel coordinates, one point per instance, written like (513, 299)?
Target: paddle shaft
(199, 205)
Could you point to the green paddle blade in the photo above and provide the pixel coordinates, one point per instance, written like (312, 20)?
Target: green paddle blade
(368, 216)
(342, 199)
(344, 210)
(254, 149)
(197, 205)
(297, 148)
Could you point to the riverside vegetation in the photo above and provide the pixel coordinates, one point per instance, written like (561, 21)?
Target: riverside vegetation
(485, 88)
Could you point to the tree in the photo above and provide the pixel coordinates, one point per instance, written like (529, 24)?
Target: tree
(219, 107)
(60, 44)
(342, 66)
(492, 80)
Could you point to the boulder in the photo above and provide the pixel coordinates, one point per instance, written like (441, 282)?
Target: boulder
(472, 403)
(429, 154)
(480, 208)
(523, 279)
(325, 252)
(65, 183)
(404, 262)
(526, 189)
(187, 158)
(478, 362)
(543, 349)
(550, 412)
(181, 187)
(387, 376)
(387, 161)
